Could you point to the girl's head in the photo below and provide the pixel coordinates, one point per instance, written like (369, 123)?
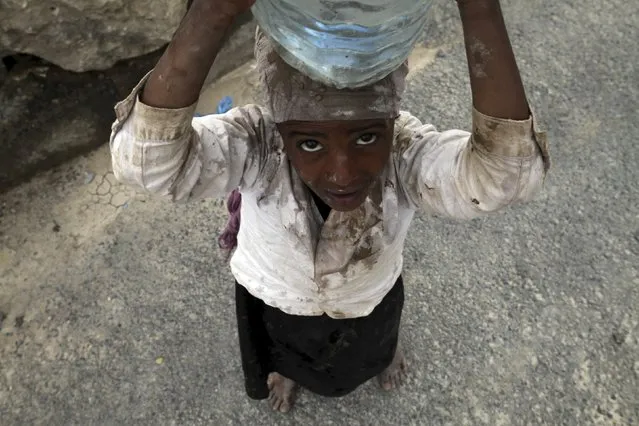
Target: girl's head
(339, 160)
(338, 140)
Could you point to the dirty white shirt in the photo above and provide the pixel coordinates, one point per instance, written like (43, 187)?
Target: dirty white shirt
(287, 255)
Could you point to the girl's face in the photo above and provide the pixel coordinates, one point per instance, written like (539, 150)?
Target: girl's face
(339, 160)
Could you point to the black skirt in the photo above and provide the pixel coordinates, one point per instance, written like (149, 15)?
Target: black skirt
(330, 357)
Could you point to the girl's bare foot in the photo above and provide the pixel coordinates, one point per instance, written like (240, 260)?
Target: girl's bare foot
(395, 374)
(283, 392)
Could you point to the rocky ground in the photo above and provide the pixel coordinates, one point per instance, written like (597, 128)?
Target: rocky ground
(118, 309)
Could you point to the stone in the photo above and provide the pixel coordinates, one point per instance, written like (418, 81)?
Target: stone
(50, 115)
(82, 35)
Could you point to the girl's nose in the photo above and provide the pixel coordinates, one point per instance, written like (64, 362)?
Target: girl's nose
(341, 171)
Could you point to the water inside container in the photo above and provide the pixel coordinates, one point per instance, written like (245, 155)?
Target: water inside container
(343, 43)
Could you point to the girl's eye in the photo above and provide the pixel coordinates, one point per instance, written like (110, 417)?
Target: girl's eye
(310, 146)
(367, 139)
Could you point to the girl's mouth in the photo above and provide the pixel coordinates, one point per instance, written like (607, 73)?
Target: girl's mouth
(346, 199)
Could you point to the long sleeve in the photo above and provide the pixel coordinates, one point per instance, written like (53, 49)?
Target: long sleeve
(169, 153)
(464, 175)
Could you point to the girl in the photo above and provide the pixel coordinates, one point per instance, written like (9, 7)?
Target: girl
(329, 180)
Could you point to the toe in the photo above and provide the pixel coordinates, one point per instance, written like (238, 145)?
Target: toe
(387, 384)
(275, 404)
(285, 407)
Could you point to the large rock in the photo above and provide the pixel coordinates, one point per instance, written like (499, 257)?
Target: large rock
(49, 115)
(81, 35)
